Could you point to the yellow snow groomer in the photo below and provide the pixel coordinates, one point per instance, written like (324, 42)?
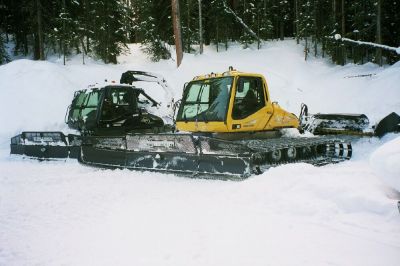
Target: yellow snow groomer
(231, 102)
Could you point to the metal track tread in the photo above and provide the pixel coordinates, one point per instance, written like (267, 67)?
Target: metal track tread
(323, 150)
(185, 153)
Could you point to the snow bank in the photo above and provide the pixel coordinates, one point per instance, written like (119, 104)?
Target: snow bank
(386, 163)
(33, 93)
(63, 213)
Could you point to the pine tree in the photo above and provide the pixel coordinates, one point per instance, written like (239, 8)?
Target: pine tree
(109, 38)
(249, 15)
(4, 58)
(19, 25)
(306, 23)
(189, 24)
(391, 27)
(153, 24)
(219, 24)
(265, 26)
(281, 10)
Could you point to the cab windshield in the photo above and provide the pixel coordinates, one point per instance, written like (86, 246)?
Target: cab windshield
(206, 100)
(83, 108)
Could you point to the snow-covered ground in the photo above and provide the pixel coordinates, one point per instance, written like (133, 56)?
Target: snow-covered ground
(63, 213)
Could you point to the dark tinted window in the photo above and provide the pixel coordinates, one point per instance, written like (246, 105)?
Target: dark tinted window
(118, 102)
(249, 97)
(84, 106)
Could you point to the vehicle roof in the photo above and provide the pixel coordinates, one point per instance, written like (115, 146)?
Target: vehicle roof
(229, 73)
(108, 85)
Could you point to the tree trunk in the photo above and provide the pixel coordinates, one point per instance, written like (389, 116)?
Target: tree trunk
(188, 26)
(343, 50)
(40, 48)
(83, 51)
(25, 45)
(297, 20)
(63, 34)
(335, 15)
(258, 29)
(316, 28)
(343, 20)
(200, 29)
(306, 49)
(217, 35)
(378, 31)
(177, 31)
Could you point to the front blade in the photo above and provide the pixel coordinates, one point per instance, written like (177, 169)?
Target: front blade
(41, 145)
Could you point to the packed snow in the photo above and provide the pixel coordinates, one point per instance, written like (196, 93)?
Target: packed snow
(64, 213)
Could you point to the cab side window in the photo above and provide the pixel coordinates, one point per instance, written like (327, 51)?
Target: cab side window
(249, 97)
(118, 103)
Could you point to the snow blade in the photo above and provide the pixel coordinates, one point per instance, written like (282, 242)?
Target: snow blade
(347, 124)
(45, 145)
(391, 123)
(320, 124)
(176, 153)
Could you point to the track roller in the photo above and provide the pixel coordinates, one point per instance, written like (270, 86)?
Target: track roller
(276, 156)
(290, 153)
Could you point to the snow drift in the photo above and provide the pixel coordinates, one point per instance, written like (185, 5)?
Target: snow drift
(386, 163)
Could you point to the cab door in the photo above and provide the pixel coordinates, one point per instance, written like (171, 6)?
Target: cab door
(119, 106)
(251, 109)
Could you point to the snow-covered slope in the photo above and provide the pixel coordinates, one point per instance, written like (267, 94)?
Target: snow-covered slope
(57, 213)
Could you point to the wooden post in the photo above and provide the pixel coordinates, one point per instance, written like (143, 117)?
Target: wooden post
(176, 22)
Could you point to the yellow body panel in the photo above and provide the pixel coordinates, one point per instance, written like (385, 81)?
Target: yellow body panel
(201, 126)
(269, 117)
